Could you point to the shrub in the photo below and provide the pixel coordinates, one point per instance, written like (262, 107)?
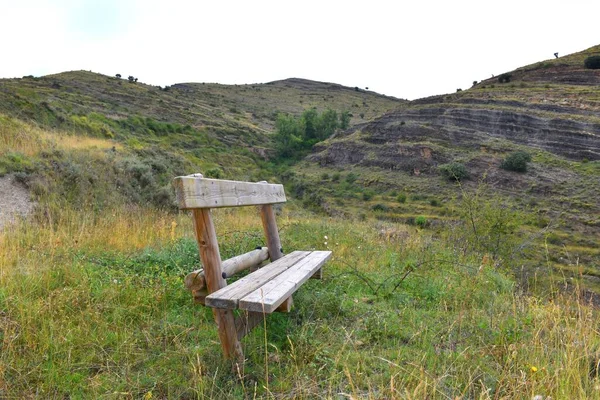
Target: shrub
(367, 195)
(592, 62)
(421, 221)
(454, 171)
(335, 177)
(215, 173)
(345, 119)
(351, 177)
(380, 207)
(324, 176)
(553, 238)
(401, 198)
(434, 203)
(504, 78)
(516, 161)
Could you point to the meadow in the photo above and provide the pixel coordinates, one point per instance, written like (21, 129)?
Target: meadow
(93, 306)
(92, 301)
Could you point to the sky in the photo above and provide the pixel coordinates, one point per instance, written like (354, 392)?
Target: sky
(406, 49)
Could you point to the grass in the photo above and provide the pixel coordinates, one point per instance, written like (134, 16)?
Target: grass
(94, 306)
(92, 303)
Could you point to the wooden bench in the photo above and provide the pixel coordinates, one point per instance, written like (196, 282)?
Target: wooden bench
(261, 292)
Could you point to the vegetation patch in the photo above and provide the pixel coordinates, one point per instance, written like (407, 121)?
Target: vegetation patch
(592, 62)
(516, 161)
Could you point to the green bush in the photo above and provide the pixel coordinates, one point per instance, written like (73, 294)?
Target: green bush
(335, 177)
(592, 62)
(380, 207)
(401, 198)
(15, 162)
(351, 177)
(516, 161)
(454, 171)
(421, 221)
(215, 173)
(367, 195)
(505, 78)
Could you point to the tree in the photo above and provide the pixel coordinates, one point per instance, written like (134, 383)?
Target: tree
(345, 119)
(328, 123)
(504, 78)
(131, 78)
(592, 62)
(310, 120)
(288, 136)
(118, 76)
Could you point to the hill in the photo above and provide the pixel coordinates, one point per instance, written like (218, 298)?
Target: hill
(426, 295)
(549, 110)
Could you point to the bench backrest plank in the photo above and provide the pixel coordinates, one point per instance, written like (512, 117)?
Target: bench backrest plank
(198, 192)
(229, 296)
(273, 293)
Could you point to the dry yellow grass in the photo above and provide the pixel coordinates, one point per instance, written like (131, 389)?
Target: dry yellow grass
(27, 139)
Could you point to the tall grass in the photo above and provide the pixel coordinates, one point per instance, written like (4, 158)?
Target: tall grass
(93, 306)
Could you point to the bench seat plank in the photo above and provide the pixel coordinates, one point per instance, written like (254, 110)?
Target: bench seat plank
(274, 292)
(229, 296)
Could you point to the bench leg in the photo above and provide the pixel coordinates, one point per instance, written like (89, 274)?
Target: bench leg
(211, 260)
(318, 274)
(286, 306)
(228, 334)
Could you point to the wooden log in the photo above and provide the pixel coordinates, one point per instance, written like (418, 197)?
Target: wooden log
(211, 259)
(200, 295)
(267, 216)
(198, 192)
(196, 281)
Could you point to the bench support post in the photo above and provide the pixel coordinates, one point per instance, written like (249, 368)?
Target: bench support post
(211, 260)
(267, 216)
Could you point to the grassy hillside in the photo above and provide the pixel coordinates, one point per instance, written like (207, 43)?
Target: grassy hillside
(185, 127)
(391, 168)
(93, 305)
(424, 297)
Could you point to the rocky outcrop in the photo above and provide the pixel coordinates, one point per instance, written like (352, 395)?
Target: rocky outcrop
(459, 127)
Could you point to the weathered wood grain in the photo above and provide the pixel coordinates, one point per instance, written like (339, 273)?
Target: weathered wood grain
(196, 192)
(267, 216)
(211, 259)
(274, 292)
(195, 280)
(229, 296)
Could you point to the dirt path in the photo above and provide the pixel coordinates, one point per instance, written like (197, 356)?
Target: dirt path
(14, 201)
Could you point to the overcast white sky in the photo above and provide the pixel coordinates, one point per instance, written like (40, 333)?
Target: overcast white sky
(407, 49)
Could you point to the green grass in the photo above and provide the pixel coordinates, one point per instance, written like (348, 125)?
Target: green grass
(99, 310)
(452, 292)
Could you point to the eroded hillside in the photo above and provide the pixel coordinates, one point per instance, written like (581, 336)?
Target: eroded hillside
(550, 110)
